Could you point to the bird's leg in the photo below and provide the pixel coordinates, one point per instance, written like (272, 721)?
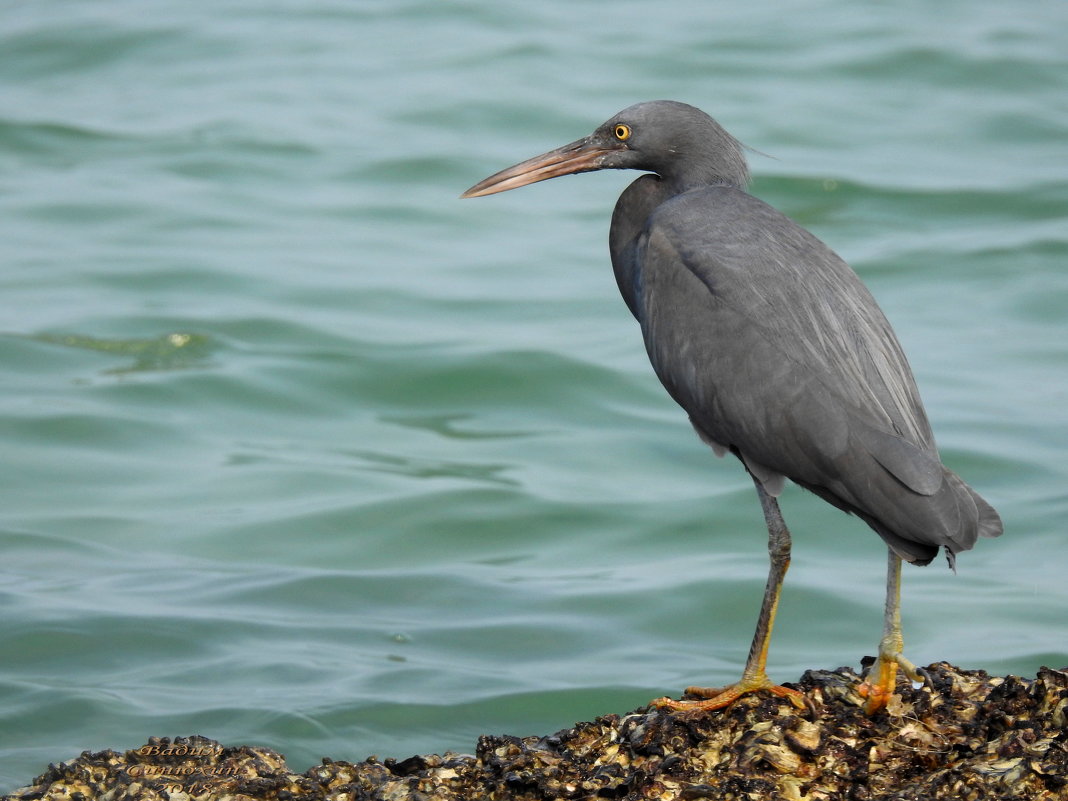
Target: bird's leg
(754, 677)
(881, 680)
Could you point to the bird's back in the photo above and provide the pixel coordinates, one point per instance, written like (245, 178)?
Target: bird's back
(779, 353)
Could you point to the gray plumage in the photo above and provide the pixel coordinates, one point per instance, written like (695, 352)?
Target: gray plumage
(773, 345)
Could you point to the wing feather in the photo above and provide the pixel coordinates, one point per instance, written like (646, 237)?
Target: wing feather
(779, 353)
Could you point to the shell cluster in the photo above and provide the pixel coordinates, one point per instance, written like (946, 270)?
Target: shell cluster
(966, 736)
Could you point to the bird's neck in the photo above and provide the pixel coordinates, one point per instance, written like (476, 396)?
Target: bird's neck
(633, 208)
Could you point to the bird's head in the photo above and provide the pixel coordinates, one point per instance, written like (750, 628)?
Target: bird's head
(680, 143)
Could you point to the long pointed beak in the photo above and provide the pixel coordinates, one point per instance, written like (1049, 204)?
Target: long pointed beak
(583, 155)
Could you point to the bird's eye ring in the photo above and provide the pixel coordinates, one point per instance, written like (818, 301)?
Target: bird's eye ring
(622, 132)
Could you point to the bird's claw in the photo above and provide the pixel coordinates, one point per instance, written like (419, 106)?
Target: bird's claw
(712, 698)
(880, 681)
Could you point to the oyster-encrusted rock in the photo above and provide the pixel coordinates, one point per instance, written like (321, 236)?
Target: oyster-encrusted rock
(967, 736)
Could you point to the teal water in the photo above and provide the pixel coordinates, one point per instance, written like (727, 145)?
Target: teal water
(299, 450)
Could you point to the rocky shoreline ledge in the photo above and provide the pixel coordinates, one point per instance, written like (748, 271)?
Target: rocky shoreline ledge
(967, 737)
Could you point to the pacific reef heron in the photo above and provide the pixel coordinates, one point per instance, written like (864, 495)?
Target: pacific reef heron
(778, 353)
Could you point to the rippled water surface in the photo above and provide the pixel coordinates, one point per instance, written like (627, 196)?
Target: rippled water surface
(302, 451)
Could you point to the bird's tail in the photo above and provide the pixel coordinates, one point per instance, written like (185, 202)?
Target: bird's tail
(977, 517)
(988, 521)
(954, 517)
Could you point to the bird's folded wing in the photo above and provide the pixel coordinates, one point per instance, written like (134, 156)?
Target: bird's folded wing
(775, 342)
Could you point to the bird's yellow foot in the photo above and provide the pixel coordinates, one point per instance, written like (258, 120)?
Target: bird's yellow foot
(881, 681)
(720, 697)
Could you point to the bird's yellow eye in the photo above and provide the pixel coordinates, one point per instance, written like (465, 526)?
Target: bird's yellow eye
(622, 132)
